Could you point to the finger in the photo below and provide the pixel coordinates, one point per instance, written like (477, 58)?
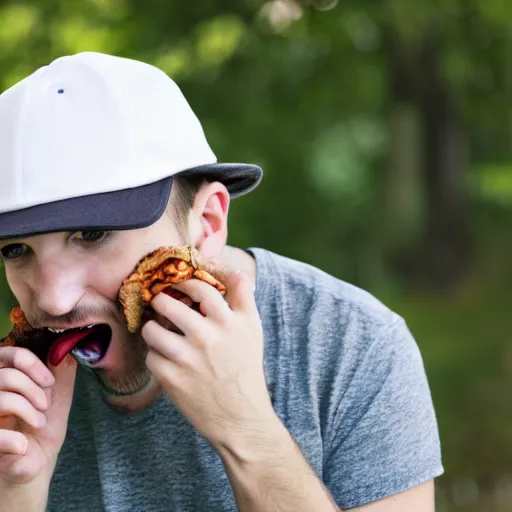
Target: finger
(12, 403)
(61, 396)
(162, 369)
(14, 380)
(240, 292)
(12, 443)
(170, 345)
(28, 363)
(184, 318)
(211, 302)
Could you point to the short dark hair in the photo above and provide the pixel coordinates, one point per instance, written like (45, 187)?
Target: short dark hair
(184, 189)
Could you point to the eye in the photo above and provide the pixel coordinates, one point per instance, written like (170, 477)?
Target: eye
(91, 236)
(13, 251)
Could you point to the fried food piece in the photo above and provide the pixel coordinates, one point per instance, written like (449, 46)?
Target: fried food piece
(19, 330)
(156, 273)
(24, 335)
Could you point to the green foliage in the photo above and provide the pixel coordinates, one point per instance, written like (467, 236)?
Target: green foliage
(493, 183)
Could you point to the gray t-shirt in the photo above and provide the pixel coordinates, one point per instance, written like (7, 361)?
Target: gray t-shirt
(345, 376)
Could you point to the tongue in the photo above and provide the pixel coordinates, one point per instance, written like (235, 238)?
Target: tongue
(64, 344)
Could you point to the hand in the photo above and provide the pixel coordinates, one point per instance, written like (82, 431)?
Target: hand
(214, 370)
(34, 409)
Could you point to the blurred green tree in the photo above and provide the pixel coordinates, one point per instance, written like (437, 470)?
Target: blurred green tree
(384, 129)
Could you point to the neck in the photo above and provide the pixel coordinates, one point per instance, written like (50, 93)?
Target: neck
(238, 259)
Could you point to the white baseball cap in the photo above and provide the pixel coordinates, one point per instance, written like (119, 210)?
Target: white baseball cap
(92, 141)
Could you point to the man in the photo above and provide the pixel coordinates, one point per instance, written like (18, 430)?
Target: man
(297, 392)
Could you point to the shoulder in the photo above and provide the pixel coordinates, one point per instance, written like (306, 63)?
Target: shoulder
(306, 291)
(329, 326)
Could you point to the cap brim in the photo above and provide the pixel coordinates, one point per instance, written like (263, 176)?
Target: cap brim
(239, 179)
(119, 210)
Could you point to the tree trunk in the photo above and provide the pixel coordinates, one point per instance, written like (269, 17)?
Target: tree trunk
(439, 259)
(443, 254)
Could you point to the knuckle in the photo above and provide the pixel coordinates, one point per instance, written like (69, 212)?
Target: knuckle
(181, 360)
(23, 357)
(184, 359)
(21, 473)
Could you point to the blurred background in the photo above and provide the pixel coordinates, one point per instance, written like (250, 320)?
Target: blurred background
(384, 128)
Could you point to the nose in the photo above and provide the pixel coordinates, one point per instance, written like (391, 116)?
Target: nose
(58, 288)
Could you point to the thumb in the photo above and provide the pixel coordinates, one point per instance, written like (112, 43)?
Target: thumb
(61, 394)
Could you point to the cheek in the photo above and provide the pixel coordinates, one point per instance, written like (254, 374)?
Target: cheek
(107, 280)
(106, 274)
(17, 286)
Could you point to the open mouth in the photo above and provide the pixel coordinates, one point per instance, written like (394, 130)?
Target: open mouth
(87, 344)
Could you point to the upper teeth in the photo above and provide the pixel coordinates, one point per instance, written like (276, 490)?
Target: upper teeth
(58, 331)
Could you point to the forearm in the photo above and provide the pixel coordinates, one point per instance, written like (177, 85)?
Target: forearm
(17, 499)
(269, 473)
(29, 497)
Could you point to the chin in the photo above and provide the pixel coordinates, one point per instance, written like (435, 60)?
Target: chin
(126, 386)
(135, 402)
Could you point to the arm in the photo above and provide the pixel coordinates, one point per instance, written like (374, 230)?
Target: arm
(380, 442)
(214, 374)
(30, 497)
(271, 474)
(276, 477)
(419, 499)
(382, 445)
(382, 449)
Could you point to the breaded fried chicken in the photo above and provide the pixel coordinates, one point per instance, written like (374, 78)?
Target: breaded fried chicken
(157, 272)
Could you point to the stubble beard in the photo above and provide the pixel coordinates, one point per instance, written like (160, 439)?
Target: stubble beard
(133, 377)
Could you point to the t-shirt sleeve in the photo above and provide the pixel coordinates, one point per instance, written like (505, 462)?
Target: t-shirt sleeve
(384, 437)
